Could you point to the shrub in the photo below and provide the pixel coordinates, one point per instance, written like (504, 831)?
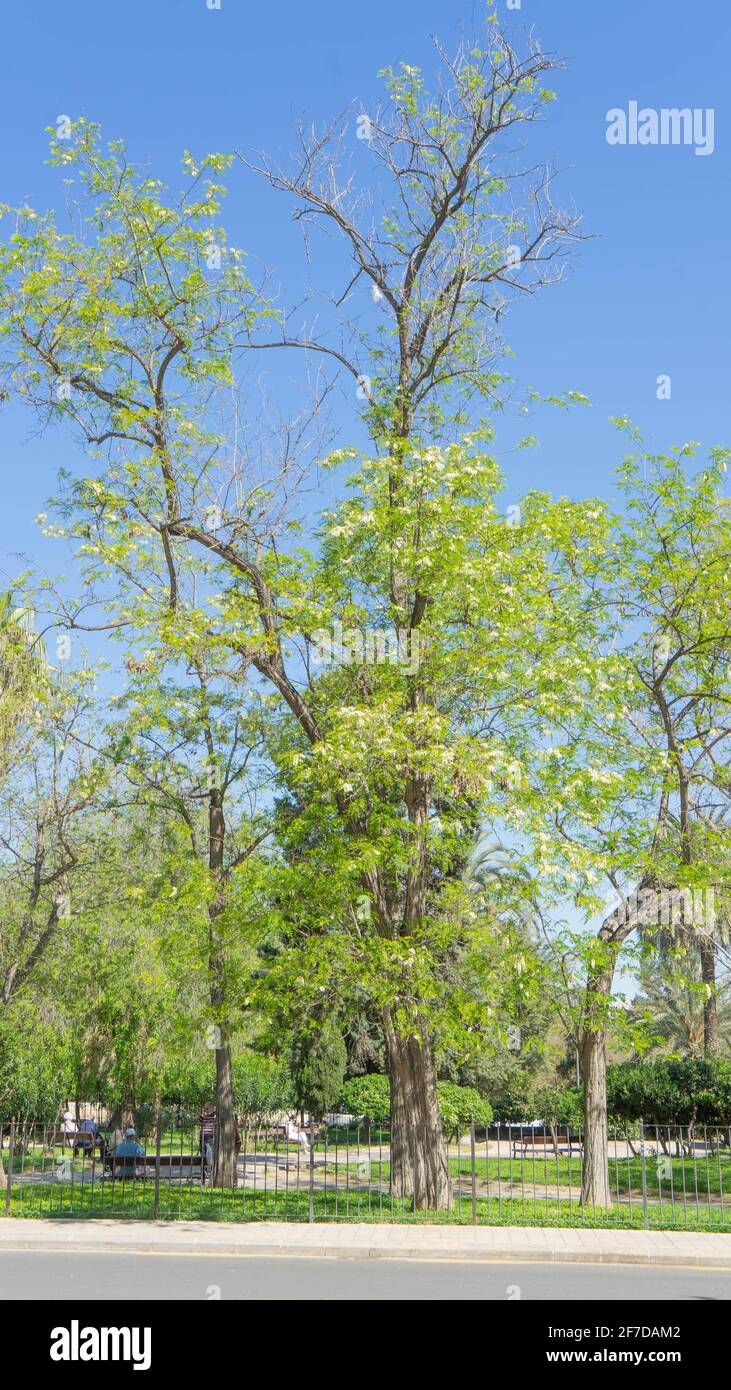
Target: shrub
(369, 1096)
(664, 1092)
(458, 1105)
(558, 1105)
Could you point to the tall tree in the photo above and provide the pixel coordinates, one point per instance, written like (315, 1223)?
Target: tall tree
(190, 751)
(126, 332)
(661, 735)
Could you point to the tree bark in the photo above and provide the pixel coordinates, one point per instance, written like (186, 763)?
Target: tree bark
(710, 1006)
(224, 1151)
(635, 912)
(224, 1148)
(595, 1191)
(419, 1162)
(122, 1118)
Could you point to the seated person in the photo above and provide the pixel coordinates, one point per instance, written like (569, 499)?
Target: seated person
(130, 1149)
(296, 1135)
(92, 1138)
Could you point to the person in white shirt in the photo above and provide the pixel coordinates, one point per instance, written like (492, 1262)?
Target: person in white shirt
(296, 1135)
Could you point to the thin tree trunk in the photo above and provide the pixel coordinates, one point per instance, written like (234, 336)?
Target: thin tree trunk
(419, 1162)
(224, 1149)
(595, 1191)
(224, 1154)
(710, 1005)
(639, 908)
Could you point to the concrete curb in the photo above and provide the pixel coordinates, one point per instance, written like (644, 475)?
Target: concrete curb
(518, 1244)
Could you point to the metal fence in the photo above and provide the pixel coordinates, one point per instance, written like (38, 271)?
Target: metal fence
(664, 1177)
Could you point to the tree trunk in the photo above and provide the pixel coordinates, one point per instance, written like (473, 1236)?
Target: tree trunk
(710, 1006)
(224, 1153)
(595, 1191)
(639, 908)
(419, 1163)
(224, 1149)
(122, 1118)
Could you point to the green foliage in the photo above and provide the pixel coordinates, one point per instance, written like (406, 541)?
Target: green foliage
(458, 1105)
(683, 1092)
(261, 1085)
(319, 1060)
(22, 671)
(35, 1068)
(368, 1095)
(558, 1105)
(511, 1098)
(672, 999)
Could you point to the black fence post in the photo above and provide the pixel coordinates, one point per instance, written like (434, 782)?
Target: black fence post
(474, 1172)
(644, 1176)
(11, 1157)
(158, 1145)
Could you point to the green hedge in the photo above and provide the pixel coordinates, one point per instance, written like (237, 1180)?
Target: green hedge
(684, 1092)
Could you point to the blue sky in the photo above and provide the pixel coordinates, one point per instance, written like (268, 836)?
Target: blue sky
(649, 292)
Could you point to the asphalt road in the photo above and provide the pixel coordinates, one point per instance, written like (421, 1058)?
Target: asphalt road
(37, 1275)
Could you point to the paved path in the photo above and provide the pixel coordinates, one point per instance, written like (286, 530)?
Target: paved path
(40, 1276)
(377, 1240)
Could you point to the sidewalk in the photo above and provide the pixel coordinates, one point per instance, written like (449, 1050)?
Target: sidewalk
(361, 1241)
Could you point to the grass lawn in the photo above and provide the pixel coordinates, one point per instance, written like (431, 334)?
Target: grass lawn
(190, 1201)
(666, 1178)
(349, 1185)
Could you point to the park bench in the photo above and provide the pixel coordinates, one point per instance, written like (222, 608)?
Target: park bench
(540, 1141)
(278, 1133)
(171, 1165)
(75, 1138)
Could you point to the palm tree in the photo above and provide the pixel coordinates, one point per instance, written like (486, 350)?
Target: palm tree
(684, 934)
(494, 875)
(674, 995)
